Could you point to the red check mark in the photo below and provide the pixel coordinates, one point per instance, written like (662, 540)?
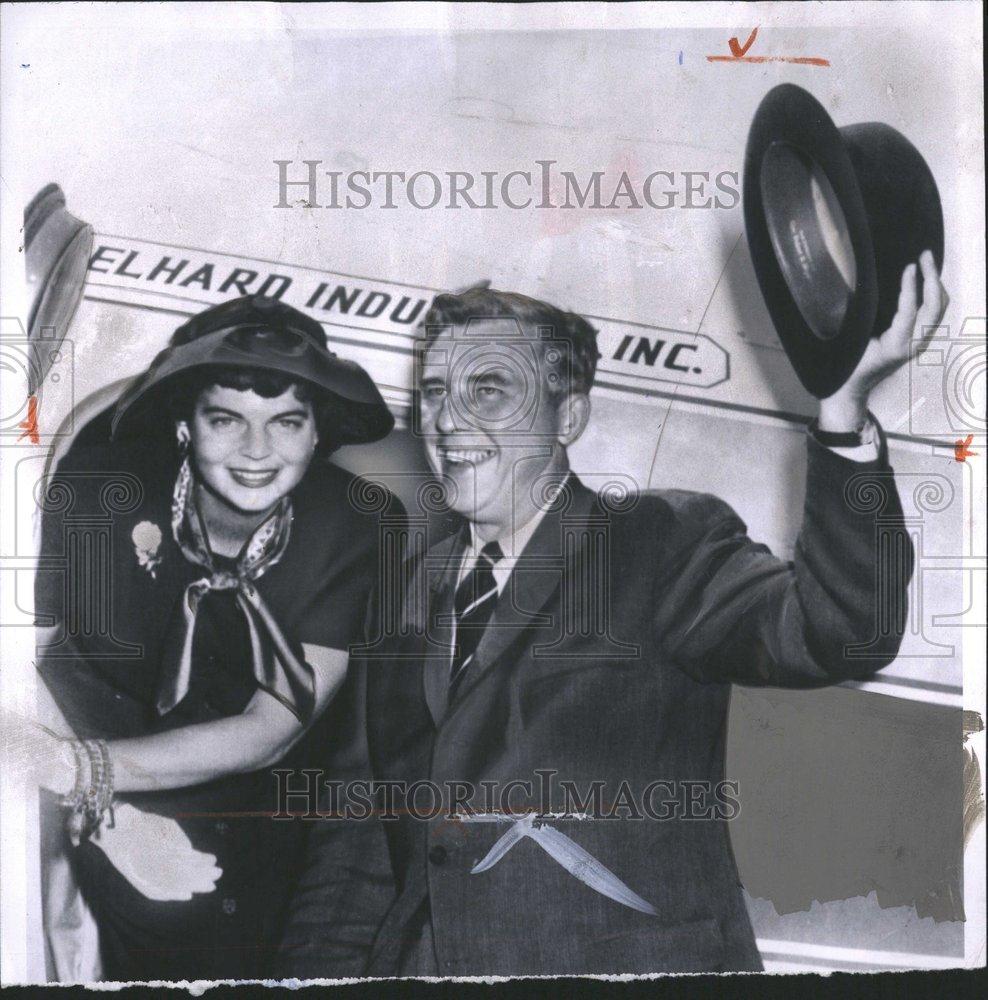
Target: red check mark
(962, 450)
(736, 50)
(30, 425)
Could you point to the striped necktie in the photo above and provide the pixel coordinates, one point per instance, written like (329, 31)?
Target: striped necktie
(473, 606)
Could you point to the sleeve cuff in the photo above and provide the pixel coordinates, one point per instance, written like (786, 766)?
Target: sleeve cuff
(867, 451)
(870, 450)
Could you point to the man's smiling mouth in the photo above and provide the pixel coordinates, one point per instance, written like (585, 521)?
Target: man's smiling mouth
(465, 456)
(254, 480)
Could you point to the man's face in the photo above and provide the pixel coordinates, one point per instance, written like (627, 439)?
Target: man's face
(250, 451)
(491, 426)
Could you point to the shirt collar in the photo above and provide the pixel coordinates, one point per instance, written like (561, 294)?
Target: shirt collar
(513, 543)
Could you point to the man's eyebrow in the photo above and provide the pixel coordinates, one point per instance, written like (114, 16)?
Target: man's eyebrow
(433, 380)
(494, 374)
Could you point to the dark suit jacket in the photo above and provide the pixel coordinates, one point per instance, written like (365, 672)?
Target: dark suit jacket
(609, 659)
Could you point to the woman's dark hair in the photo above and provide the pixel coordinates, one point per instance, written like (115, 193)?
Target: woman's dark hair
(183, 393)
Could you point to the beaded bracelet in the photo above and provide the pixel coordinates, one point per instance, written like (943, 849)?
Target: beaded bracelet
(79, 786)
(103, 797)
(90, 804)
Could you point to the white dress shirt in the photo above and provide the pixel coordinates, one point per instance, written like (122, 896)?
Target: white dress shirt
(512, 545)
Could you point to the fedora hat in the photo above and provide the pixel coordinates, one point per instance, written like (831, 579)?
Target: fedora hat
(832, 216)
(255, 331)
(56, 254)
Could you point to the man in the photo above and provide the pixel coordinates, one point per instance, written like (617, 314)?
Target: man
(567, 636)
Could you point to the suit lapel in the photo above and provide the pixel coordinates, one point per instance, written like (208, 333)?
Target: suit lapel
(442, 564)
(407, 666)
(534, 582)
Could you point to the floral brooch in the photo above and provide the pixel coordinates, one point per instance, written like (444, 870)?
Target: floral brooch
(147, 539)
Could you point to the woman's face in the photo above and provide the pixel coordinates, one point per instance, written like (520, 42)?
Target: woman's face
(247, 449)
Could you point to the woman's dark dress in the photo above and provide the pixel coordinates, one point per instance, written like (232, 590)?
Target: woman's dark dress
(103, 670)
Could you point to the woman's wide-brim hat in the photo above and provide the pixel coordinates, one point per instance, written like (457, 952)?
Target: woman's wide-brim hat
(833, 216)
(259, 332)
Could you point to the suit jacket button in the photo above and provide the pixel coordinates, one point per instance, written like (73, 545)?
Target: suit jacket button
(229, 906)
(438, 854)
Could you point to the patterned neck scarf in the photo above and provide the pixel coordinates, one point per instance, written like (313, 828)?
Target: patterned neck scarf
(277, 669)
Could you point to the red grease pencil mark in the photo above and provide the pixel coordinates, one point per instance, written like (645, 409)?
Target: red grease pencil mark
(30, 425)
(961, 451)
(738, 55)
(737, 50)
(797, 60)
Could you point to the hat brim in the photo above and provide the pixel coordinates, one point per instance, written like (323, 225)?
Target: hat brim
(360, 414)
(791, 117)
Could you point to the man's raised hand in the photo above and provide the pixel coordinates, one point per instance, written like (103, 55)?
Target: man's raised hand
(912, 326)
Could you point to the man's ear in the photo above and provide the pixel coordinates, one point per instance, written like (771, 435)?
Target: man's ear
(574, 414)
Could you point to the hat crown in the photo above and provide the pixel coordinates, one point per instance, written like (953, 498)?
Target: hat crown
(832, 217)
(249, 311)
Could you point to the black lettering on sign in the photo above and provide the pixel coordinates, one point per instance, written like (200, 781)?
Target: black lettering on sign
(647, 351)
(650, 351)
(239, 278)
(674, 354)
(203, 277)
(165, 266)
(341, 299)
(374, 305)
(122, 269)
(275, 285)
(100, 257)
(314, 297)
(622, 347)
(410, 317)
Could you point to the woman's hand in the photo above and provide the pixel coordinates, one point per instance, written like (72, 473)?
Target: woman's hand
(155, 856)
(911, 329)
(152, 852)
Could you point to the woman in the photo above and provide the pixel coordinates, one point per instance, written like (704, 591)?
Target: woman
(222, 583)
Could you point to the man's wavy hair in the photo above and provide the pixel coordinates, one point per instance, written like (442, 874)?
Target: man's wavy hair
(480, 302)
